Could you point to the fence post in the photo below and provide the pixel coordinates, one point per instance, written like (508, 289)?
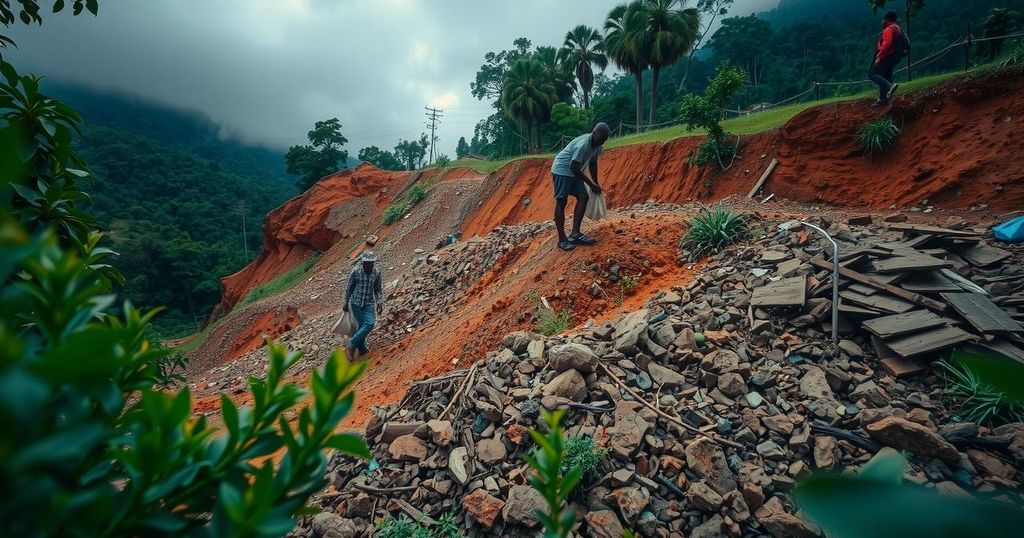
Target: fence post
(817, 90)
(906, 29)
(967, 49)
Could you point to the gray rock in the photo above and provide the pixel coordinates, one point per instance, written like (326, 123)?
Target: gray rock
(731, 384)
(721, 361)
(408, 448)
(781, 524)
(629, 330)
(702, 497)
(771, 450)
(573, 357)
(491, 451)
(522, 506)
(903, 434)
(870, 392)
(330, 525)
(824, 452)
(851, 349)
(568, 384)
(662, 376)
(707, 460)
(712, 528)
(603, 524)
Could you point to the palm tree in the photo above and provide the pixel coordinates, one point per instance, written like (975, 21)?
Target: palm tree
(528, 94)
(624, 43)
(669, 32)
(560, 71)
(584, 47)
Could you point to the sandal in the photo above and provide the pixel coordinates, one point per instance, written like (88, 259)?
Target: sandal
(566, 245)
(581, 239)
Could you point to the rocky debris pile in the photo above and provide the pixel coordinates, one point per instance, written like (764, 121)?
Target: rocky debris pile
(710, 410)
(932, 289)
(436, 281)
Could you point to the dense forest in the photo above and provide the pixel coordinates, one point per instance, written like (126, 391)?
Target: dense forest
(172, 193)
(783, 51)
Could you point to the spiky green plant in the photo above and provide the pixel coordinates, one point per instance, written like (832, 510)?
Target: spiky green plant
(550, 323)
(404, 527)
(550, 480)
(878, 135)
(977, 400)
(1014, 56)
(580, 451)
(714, 230)
(416, 194)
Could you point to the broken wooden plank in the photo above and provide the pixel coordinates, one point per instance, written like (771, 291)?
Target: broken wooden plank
(982, 255)
(898, 292)
(878, 301)
(900, 367)
(905, 323)
(909, 261)
(932, 230)
(928, 282)
(764, 177)
(862, 289)
(856, 310)
(890, 278)
(929, 341)
(790, 291)
(1006, 349)
(982, 313)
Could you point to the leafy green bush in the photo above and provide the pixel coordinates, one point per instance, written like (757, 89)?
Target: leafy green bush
(550, 480)
(629, 282)
(714, 230)
(395, 212)
(874, 502)
(581, 452)
(878, 135)
(704, 111)
(550, 323)
(416, 194)
(442, 161)
(1014, 56)
(403, 527)
(978, 400)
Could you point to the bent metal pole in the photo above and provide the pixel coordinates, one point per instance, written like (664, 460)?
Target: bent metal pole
(835, 280)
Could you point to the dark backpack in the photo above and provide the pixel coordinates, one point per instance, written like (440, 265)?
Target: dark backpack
(902, 43)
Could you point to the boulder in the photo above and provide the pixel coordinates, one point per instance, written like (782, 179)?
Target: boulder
(522, 506)
(628, 331)
(484, 507)
(603, 524)
(781, 524)
(491, 451)
(568, 384)
(408, 448)
(573, 357)
(628, 432)
(330, 525)
(707, 460)
(662, 376)
(903, 434)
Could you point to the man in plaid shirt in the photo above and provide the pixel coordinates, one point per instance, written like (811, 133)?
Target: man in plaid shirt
(364, 295)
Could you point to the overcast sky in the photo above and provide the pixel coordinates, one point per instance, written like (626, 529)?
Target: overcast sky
(267, 69)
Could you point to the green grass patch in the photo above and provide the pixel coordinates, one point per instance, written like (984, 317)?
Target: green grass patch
(713, 230)
(878, 135)
(581, 452)
(395, 212)
(280, 284)
(550, 323)
(986, 389)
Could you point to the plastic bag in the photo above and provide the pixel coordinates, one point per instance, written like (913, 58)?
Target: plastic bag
(596, 207)
(346, 324)
(1011, 231)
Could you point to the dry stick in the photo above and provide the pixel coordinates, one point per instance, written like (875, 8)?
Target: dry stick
(458, 393)
(383, 491)
(665, 415)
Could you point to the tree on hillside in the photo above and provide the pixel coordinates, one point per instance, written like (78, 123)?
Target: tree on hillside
(383, 159)
(321, 156)
(711, 10)
(567, 122)
(584, 48)
(669, 32)
(624, 44)
(560, 73)
(999, 22)
(743, 41)
(462, 148)
(491, 75)
(704, 111)
(412, 152)
(528, 95)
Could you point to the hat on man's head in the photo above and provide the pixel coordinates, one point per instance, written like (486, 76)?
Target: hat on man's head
(368, 256)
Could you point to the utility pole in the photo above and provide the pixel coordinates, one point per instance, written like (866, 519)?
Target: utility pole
(242, 208)
(433, 114)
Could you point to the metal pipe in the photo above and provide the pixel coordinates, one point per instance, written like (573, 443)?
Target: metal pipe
(835, 280)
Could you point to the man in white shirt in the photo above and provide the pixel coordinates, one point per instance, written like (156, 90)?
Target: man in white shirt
(569, 180)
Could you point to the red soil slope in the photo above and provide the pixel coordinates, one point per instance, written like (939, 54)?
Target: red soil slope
(955, 151)
(292, 232)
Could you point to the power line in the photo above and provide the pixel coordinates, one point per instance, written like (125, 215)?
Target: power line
(433, 114)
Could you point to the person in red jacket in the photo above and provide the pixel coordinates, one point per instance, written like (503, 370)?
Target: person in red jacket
(887, 56)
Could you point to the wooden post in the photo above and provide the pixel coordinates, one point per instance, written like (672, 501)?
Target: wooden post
(906, 29)
(967, 49)
(764, 177)
(817, 90)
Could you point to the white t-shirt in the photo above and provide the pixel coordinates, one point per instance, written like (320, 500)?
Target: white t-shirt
(578, 150)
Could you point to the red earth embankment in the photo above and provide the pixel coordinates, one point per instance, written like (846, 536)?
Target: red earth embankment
(300, 227)
(957, 148)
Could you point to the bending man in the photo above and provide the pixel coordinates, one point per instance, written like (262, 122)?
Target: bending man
(569, 179)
